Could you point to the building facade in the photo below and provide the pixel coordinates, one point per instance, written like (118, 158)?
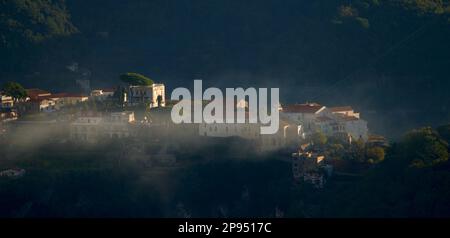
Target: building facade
(337, 121)
(304, 114)
(102, 94)
(6, 101)
(154, 95)
(95, 129)
(288, 133)
(86, 129)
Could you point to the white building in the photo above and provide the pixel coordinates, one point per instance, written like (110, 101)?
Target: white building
(244, 130)
(329, 125)
(288, 133)
(42, 101)
(304, 114)
(94, 129)
(346, 111)
(86, 129)
(45, 104)
(331, 121)
(117, 125)
(355, 127)
(151, 94)
(351, 122)
(102, 94)
(66, 99)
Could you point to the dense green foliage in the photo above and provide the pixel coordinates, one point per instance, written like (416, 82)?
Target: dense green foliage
(375, 155)
(424, 148)
(32, 21)
(413, 181)
(14, 90)
(319, 138)
(361, 11)
(135, 79)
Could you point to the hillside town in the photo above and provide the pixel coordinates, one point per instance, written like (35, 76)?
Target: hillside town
(140, 111)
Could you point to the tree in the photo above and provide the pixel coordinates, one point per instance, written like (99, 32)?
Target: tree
(32, 21)
(14, 90)
(357, 151)
(424, 148)
(336, 151)
(135, 79)
(375, 155)
(422, 7)
(319, 138)
(25, 25)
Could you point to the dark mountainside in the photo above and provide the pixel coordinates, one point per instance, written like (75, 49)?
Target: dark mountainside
(390, 59)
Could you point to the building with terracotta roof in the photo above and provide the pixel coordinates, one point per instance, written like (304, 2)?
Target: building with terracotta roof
(65, 99)
(335, 121)
(346, 110)
(307, 108)
(37, 104)
(304, 114)
(36, 93)
(39, 100)
(340, 124)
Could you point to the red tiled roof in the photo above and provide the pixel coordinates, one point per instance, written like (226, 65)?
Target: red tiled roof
(376, 138)
(67, 95)
(302, 108)
(36, 92)
(40, 99)
(341, 109)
